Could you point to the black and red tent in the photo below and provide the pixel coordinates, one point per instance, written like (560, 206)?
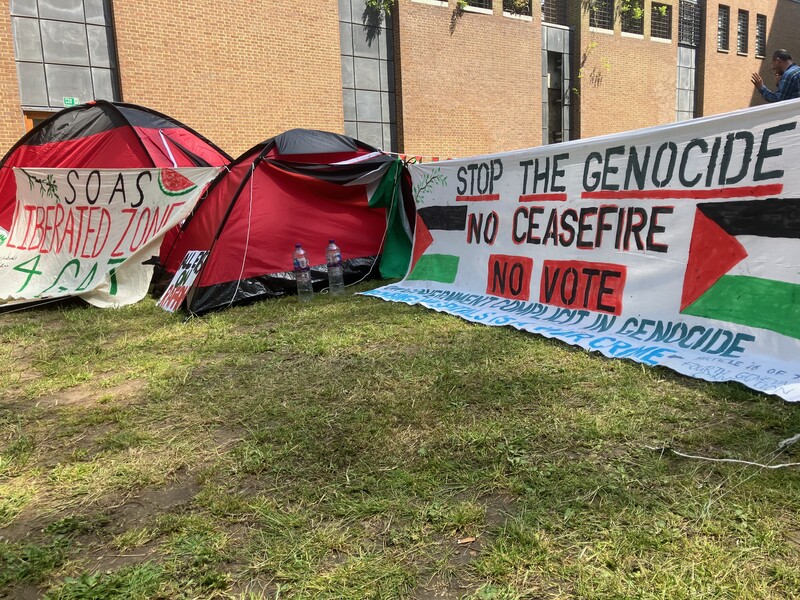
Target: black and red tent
(302, 186)
(104, 135)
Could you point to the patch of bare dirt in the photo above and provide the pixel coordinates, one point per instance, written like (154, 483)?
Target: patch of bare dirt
(23, 592)
(89, 395)
(793, 537)
(140, 507)
(119, 512)
(258, 587)
(498, 509)
(449, 584)
(102, 561)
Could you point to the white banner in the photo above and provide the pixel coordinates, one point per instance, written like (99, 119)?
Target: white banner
(676, 246)
(87, 232)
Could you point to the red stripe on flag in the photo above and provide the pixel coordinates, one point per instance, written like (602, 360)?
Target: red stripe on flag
(753, 191)
(481, 198)
(543, 198)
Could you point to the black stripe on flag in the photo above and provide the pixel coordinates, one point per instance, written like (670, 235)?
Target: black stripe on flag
(444, 218)
(773, 218)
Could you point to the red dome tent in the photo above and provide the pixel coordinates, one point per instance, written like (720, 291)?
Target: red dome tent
(302, 186)
(104, 135)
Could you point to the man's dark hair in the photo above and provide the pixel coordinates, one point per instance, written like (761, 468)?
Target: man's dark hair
(781, 55)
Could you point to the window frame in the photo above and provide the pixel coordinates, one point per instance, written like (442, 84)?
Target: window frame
(510, 7)
(689, 23)
(35, 117)
(723, 28)
(630, 25)
(99, 67)
(667, 17)
(743, 33)
(479, 4)
(607, 15)
(761, 35)
(554, 12)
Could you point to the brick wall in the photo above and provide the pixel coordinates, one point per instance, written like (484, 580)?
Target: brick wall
(238, 72)
(625, 82)
(726, 81)
(243, 71)
(11, 122)
(470, 84)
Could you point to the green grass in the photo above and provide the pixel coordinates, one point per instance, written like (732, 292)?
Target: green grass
(354, 448)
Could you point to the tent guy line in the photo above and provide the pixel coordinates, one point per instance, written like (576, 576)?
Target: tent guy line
(664, 449)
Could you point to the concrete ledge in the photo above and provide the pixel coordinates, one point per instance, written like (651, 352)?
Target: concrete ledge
(518, 17)
(481, 11)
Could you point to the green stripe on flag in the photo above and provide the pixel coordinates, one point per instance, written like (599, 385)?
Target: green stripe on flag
(764, 303)
(396, 253)
(435, 267)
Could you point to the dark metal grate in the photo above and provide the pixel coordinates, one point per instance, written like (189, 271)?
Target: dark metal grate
(723, 27)
(741, 32)
(601, 14)
(632, 17)
(661, 21)
(554, 11)
(689, 23)
(518, 7)
(761, 35)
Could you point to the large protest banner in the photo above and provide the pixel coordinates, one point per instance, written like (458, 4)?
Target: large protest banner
(86, 232)
(675, 245)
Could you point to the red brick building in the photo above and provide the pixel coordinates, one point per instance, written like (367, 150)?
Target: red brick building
(436, 78)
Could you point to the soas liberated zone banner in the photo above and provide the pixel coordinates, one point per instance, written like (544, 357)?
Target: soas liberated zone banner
(87, 231)
(676, 246)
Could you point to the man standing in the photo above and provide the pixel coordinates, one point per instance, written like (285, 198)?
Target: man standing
(789, 82)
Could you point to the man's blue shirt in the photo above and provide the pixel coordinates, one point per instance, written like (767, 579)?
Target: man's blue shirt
(788, 87)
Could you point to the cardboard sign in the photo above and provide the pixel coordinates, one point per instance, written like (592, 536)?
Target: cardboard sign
(173, 296)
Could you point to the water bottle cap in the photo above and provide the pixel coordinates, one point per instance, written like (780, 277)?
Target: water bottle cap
(331, 242)
(297, 245)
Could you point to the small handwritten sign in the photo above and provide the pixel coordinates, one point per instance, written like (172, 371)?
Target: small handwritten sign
(173, 296)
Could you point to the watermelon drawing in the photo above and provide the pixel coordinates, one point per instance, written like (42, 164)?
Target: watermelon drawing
(173, 183)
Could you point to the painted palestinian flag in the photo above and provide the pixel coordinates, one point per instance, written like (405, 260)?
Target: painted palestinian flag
(435, 267)
(743, 264)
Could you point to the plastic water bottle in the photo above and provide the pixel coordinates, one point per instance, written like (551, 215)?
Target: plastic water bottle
(302, 274)
(333, 256)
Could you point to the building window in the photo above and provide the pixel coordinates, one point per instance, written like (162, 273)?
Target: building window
(34, 118)
(601, 14)
(723, 26)
(632, 17)
(689, 23)
(480, 3)
(555, 95)
(741, 31)
(64, 52)
(368, 84)
(661, 21)
(761, 35)
(518, 7)
(554, 11)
